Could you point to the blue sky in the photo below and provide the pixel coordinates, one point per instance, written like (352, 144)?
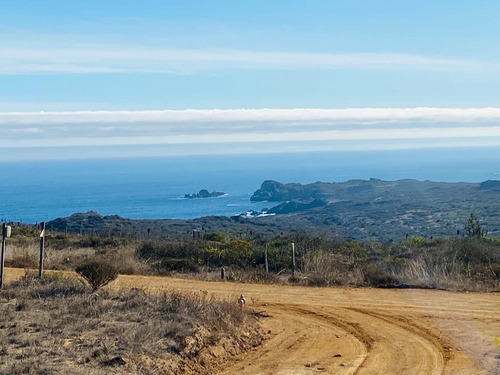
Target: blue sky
(65, 56)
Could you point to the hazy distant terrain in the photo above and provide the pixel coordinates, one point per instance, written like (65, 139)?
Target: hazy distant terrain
(385, 210)
(360, 209)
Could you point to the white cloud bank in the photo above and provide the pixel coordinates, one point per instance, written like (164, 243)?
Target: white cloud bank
(288, 115)
(176, 132)
(88, 59)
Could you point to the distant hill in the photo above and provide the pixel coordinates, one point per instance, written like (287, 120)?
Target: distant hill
(385, 210)
(92, 222)
(359, 209)
(490, 185)
(360, 190)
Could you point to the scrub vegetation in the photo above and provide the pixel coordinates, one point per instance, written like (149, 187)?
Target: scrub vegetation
(57, 325)
(469, 263)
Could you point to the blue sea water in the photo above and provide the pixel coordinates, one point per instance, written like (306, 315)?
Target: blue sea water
(34, 191)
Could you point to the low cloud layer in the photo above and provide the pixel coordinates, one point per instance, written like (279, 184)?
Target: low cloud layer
(301, 115)
(186, 132)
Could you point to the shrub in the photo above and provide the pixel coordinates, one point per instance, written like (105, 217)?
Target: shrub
(473, 228)
(375, 275)
(159, 249)
(165, 266)
(97, 274)
(214, 236)
(236, 253)
(97, 242)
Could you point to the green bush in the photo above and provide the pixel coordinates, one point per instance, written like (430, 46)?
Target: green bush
(236, 253)
(164, 266)
(214, 236)
(159, 249)
(97, 242)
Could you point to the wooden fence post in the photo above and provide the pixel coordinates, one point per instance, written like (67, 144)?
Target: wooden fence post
(42, 248)
(2, 257)
(267, 263)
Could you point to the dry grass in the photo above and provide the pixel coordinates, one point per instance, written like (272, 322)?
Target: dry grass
(327, 269)
(21, 256)
(27, 256)
(460, 265)
(447, 275)
(56, 326)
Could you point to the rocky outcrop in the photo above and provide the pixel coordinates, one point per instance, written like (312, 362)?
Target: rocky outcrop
(203, 193)
(274, 191)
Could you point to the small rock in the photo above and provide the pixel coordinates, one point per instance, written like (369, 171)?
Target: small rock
(337, 336)
(308, 365)
(269, 331)
(337, 355)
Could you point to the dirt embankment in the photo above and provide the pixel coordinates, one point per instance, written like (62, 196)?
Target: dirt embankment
(357, 331)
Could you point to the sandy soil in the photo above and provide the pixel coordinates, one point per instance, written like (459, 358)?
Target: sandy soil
(356, 331)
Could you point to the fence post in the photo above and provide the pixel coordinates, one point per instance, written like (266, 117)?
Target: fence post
(2, 258)
(42, 248)
(267, 263)
(293, 259)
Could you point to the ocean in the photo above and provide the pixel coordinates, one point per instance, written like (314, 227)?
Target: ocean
(34, 191)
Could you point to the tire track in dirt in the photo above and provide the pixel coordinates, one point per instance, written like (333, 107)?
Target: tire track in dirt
(414, 351)
(390, 350)
(454, 359)
(303, 342)
(349, 327)
(442, 344)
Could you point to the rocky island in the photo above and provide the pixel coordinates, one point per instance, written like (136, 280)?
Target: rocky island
(204, 193)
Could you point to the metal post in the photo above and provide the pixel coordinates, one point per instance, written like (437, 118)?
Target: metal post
(42, 248)
(267, 263)
(2, 258)
(293, 259)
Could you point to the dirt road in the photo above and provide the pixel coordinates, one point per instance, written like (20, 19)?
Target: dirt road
(357, 331)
